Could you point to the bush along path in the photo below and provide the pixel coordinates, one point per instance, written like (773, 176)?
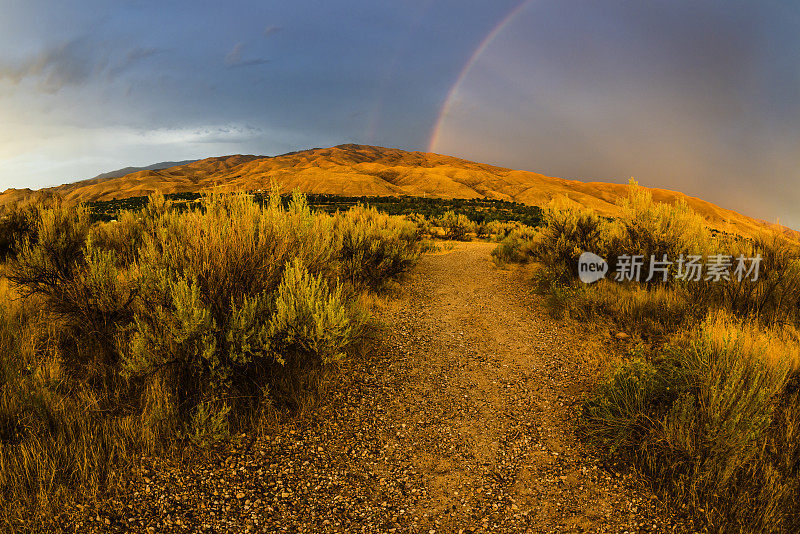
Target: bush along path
(462, 419)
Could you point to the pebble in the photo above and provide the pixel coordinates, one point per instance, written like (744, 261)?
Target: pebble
(428, 433)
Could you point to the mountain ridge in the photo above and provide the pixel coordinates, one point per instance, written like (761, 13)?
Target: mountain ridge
(365, 170)
(119, 173)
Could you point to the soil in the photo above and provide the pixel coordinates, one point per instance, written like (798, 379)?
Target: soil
(463, 418)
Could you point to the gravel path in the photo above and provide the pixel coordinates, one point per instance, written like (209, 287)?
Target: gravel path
(463, 420)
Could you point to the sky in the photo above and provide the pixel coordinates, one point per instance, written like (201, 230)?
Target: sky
(697, 96)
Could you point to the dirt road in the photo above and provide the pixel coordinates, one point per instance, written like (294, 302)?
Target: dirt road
(464, 421)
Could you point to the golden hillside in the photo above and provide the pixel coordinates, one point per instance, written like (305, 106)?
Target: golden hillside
(360, 170)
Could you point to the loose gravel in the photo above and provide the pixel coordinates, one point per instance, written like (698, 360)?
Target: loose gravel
(461, 420)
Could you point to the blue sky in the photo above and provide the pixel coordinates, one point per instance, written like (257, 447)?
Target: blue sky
(696, 96)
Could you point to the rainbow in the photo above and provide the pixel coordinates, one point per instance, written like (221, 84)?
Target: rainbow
(443, 111)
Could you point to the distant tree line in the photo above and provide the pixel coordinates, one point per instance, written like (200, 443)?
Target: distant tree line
(479, 211)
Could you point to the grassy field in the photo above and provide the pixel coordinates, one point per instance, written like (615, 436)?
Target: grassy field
(706, 400)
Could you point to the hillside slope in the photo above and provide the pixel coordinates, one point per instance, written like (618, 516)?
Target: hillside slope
(360, 170)
(129, 170)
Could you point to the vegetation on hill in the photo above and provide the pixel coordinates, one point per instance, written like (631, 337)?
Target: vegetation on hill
(479, 211)
(169, 327)
(453, 219)
(707, 402)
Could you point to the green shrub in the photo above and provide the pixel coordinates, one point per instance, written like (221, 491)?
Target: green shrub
(374, 247)
(16, 225)
(312, 320)
(171, 325)
(774, 297)
(457, 226)
(424, 225)
(230, 295)
(499, 230)
(569, 232)
(53, 258)
(209, 424)
(712, 419)
(653, 312)
(82, 287)
(625, 409)
(482, 230)
(518, 247)
(645, 228)
(656, 229)
(704, 424)
(123, 236)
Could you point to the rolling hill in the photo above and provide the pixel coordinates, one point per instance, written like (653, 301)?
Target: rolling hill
(129, 170)
(361, 170)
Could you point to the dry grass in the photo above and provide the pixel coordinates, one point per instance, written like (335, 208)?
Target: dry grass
(652, 313)
(56, 442)
(517, 247)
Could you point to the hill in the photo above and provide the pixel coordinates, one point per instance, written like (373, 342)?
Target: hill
(130, 170)
(361, 170)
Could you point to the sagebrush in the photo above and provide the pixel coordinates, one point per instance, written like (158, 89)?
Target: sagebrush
(170, 326)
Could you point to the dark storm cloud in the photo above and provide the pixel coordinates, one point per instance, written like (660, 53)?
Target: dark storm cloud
(700, 95)
(691, 96)
(331, 72)
(72, 63)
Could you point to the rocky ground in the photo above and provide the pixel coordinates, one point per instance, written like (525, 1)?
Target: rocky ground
(462, 420)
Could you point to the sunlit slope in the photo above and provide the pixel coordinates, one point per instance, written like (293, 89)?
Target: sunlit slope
(356, 170)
